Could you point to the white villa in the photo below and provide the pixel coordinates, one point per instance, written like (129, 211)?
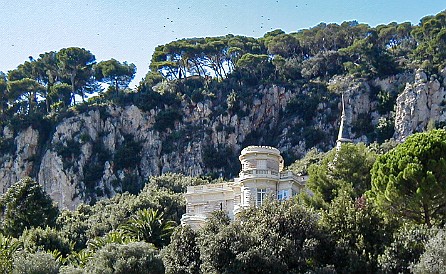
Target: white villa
(261, 176)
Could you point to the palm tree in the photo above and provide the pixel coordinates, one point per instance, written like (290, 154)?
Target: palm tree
(8, 246)
(116, 237)
(149, 225)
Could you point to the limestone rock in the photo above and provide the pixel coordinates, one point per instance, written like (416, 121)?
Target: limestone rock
(79, 162)
(19, 163)
(421, 102)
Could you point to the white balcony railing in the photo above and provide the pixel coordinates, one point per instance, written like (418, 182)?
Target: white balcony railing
(209, 188)
(259, 173)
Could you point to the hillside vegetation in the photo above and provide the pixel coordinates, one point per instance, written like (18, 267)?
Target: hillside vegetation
(377, 205)
(207, 98)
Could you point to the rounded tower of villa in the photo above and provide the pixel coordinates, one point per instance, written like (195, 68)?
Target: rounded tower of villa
(261, 177)
(260, 174)
(260, 158)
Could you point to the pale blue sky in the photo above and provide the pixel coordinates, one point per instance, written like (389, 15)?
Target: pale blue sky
(130, 30)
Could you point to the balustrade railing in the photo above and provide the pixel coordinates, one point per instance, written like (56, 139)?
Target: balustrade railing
(259, 173)
(209, 188)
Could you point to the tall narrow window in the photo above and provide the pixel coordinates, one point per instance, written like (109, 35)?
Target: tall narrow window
(261, 195)
(261, 164)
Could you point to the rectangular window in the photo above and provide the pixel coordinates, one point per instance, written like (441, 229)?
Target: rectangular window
(261, 164)
(283, 195)
(261, 195)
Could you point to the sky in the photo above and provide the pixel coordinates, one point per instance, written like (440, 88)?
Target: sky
(129, 30)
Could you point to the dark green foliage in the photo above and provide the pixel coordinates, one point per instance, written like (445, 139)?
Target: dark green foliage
(323, 64)
(21, 122)
(25, 205)
(254, 68)
(118, 75)
(166, 119)
(59, 96)
(406, 248)
(88, 222)
(358, 231)
(174, 140)
(384, 129)
(136, 258)
(216, 157)
(313, 136)
(430, 36)
(92, 174)
(116, 237)
(94, 169)
(386, 101)
(3, 93)
(150, 80)
(150, 226)
(146, 98)
(6, 145)
(45, 239)
(76, 67)
(131, 184)
(301, 166)
(176, 182)
(8, 247)
(286, 45)
(348, 234)
(69, 151)
(275, 238)
(345, 170)
(182, 255)
(128, 154)
(362, 125)
(409, 181)
(27, 88)
(367, 58)
(302, 106)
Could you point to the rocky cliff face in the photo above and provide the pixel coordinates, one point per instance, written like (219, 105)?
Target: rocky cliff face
(110, 149)
(14, 166)
(422, 102)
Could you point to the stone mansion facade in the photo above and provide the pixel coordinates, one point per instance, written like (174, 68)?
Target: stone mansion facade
(262, 176)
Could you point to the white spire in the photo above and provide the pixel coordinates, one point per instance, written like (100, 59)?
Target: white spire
(343, 132)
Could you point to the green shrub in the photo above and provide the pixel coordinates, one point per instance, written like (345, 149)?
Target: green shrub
(7, 146)
(135, 258)
(433, 259)
(216, 157)
(312, 136)
(35, 263)
(406, 248)
(128, 154)
(71, 150)
(45, 239)
(166, 119)
(24, 205)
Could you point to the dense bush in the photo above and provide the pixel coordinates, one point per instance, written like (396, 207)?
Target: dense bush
(128, 154)
(35, 263)
(136, 258)
(25, 205)
(433, 258)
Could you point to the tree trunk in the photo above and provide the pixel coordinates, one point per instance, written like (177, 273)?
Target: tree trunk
(116, 87)
(73, 90)
(427, 217)
(47, 103)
